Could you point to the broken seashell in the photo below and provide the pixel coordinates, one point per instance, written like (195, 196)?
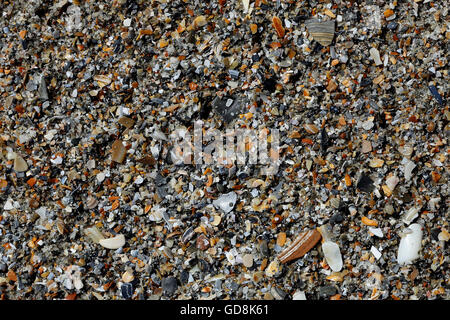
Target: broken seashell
(330, 250)
(410, 244)
(246, 4)
(322, 32)
(20, 164)
(102, 80)
(302, 244)
(94, 234)
(226, 202)
(408, 168)
(91, 203)
(118, 151)
(411, 215)
(392, 182)
(375, 55)
(216, 220)
(299, 295)
(114, 242)
(333, 255)
(199, 21)
(310, 128)
(278, 27)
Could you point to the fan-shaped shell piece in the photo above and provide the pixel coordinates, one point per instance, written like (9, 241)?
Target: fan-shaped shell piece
(322, 32)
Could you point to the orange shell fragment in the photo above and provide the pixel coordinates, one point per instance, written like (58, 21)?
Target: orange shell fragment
(278, 27)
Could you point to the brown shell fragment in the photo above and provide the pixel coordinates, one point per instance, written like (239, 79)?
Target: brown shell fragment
(118, 151)
(322, 32)
(278, 27)
(302, 244)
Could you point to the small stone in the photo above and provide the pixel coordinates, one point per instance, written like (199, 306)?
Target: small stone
(169, 285)
(365, 184)
(366, 146)
(127, 290)
(202, 242)
(127, 22)
(273, 268)
(43, 93)
(327, 291)
(100, 177)
(247, 260)
(376, 231)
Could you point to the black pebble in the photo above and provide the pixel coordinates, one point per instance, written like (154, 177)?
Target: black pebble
(365, 184)
(127, 290)
(169, 285)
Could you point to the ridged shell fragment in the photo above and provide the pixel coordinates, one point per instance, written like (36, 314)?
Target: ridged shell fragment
(321, 31)
(302, 244)
(91, 203)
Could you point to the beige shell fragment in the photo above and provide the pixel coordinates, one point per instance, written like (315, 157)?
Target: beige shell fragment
(322, 32)
(118, 151)
(20, 164)
(102, 80)
(246, 4)
(114, 242)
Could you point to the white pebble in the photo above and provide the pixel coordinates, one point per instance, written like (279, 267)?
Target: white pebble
(127, 22)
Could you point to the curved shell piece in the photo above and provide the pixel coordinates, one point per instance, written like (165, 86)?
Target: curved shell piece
(114, 242)
(410, 245)
(332, 254)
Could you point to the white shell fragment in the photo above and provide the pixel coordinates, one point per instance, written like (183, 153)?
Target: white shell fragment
(299, 295)
(376, 253)
(332, 254)
(411, 215)
(410, 244)
(392, 182)
(375, 55)
(114, 242)
(376, 231)
(226, 202)
(246, 4)
(407, 169)
(94, 234)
